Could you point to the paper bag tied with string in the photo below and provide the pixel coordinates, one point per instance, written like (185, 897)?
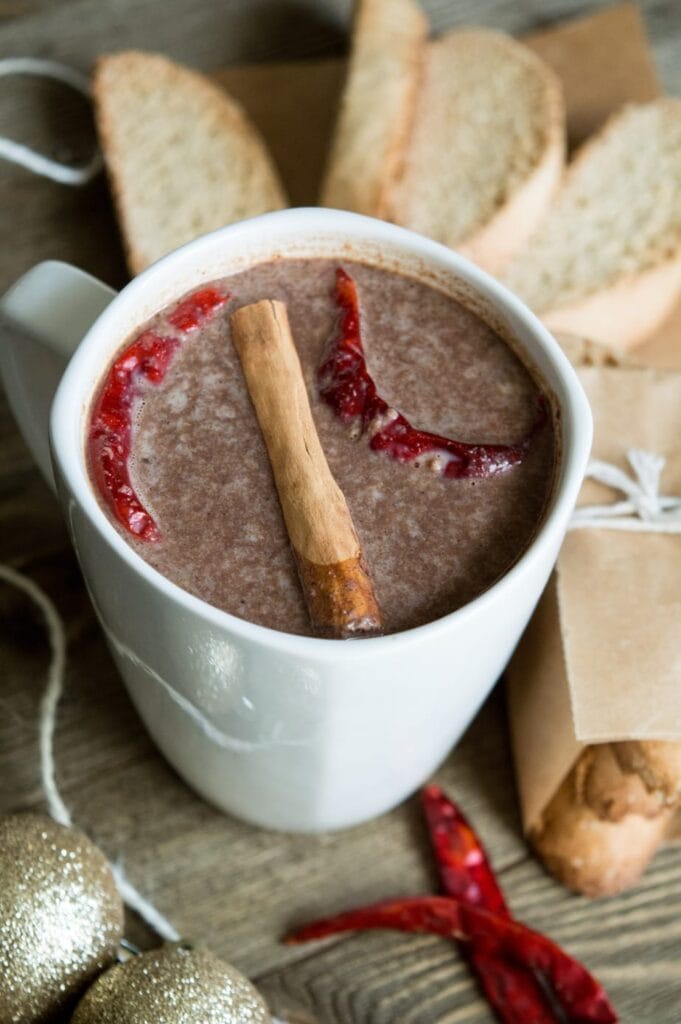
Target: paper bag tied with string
(595, 686)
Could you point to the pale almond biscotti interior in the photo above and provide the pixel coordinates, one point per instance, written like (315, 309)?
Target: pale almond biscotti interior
(489, 113)
(617, 215)
(182, 157)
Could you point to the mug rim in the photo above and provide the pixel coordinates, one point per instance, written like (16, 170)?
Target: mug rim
(70, 466)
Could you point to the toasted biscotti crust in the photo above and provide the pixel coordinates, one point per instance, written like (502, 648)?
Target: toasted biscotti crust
(657, 763)
(594, 857)
(605, 822)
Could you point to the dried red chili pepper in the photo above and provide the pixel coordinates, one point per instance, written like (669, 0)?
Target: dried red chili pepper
(464, 866)
(347, 386)
(143, 362)
(581, 996)
(527, 978)
(514, 992)
(197, 308)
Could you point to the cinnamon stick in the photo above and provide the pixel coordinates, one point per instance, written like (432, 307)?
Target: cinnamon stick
(338, 591)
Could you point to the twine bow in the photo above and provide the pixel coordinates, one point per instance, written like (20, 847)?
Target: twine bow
(644, 509)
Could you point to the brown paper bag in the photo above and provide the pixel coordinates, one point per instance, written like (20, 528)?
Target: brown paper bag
(601, 659)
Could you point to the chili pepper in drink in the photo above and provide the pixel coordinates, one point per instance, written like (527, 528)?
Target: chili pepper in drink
(346, 384)
(197, 308)
(581, 996)
(514, 992)
(142, 363)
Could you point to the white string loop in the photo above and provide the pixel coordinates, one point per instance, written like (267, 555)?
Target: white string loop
(141, 905)
(30, 159)
(53, 690)
(48, 717)
(645, 510)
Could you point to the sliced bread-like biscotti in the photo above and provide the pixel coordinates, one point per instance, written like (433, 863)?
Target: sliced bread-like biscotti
(182, 157)
(486, 153)
(377, 106)
(606, 262)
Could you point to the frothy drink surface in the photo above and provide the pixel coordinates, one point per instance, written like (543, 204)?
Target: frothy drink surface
(199, 465)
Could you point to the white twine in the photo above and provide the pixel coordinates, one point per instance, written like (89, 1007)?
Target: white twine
(645, 510)
(48, 717)
(24, 156)
(53, 690)
(142, 906)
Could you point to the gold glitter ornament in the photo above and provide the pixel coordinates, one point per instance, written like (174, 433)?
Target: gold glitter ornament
(61, 917)
(172, 985)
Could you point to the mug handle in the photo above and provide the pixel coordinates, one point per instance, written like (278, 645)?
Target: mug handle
(43, 317)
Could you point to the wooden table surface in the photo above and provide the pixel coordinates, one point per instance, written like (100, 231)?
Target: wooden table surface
(234, 887)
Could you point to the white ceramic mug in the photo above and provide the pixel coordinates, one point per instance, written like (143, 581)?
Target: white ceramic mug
(285, 731)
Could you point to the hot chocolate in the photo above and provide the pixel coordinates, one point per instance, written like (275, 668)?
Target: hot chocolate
(179, 463)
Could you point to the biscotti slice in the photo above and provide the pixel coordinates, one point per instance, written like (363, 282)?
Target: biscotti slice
(606, 262)
(486, 152)
(377, 106)
(182, 157)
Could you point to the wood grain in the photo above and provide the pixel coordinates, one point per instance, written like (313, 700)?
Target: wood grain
(235, 887)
